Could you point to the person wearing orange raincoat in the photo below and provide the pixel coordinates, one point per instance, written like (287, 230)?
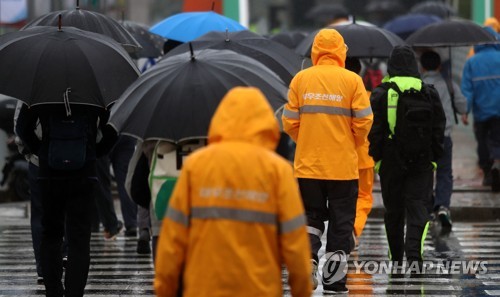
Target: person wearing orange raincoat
(235, 214)
(328, 115)
(366, 172)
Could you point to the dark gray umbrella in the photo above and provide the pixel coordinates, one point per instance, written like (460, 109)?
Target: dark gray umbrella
(437, 8)
(280, 59)
(289, 39)
(175, 99)
(363, 41)
(89, 21)
(151, 43)
(50, 65)
(450, 33)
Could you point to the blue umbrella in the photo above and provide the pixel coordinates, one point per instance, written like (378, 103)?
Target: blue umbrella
(187, 26)
(405, 25)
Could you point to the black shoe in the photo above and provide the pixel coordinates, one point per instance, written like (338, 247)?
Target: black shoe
(143, 244)
(131, 232)
(445, 217)
(111, 235)
(335, 289)
(39, 280)
(495, 179)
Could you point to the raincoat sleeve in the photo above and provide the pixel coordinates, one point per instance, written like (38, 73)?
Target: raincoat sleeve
(362, 114)
(379, 128)
(291, 115)
(173, 240)
(466, 87)
(294, 242)
(438, 125)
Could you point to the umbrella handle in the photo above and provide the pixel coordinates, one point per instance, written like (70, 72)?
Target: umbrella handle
(77, 4)
(59, 22)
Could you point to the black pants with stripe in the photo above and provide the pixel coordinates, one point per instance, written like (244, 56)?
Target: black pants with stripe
(407, 196)
(333, 201)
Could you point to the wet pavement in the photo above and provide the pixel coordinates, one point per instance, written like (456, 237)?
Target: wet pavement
(117, 270)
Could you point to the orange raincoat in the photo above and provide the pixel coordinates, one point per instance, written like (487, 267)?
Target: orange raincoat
(235, 214)
(328, 113)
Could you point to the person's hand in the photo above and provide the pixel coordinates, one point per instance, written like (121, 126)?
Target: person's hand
(465, 119)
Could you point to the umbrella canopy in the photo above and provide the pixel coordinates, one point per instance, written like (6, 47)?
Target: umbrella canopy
(151, 43)
(450, 33)
(41, 64)
(405, 25)
(363, 41)
(187, 26)
(327, 12)
(175, 100)
(7, 109)
(289, 39)
(280, 59)
(439, 9)
(89, 21)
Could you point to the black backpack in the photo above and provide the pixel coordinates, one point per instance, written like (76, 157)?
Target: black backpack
(413, 129)
(67, 142)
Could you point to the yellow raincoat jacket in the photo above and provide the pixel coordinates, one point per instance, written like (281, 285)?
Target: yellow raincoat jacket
(235, 214)
(328, 113)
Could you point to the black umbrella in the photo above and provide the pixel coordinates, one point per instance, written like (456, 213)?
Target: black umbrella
(440, 9)
(363, 41)
(7, 109)
(450, 33)
(175, 99)
(50, 65)
(89, 21)
(289, 39)
(151, 43)
(280, 59)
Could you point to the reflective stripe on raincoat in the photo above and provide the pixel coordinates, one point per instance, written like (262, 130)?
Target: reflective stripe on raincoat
(235, 214)
(328, 113)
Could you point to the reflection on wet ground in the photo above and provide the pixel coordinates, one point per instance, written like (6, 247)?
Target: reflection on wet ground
(117, 270)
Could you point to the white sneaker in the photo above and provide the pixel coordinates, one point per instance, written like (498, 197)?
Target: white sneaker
(314, 274)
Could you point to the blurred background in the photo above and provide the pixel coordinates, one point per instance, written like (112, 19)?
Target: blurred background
(261, 16)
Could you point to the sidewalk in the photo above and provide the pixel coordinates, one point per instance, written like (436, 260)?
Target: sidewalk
(470, 200)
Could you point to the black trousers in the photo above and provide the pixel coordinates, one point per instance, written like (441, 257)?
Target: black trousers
(407, 196)
(66, 203)
(333, 201)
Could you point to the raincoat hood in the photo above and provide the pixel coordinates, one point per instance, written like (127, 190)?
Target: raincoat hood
(244, 115)
(402, 62)
(480, 47)
(328, 48)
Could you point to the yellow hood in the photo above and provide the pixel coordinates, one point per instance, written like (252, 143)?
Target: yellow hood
(328, 48)
(244, 115)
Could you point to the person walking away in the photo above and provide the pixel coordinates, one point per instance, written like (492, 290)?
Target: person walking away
(328, 115)
(235, 214)
(431, 64)
(366, 173)
(67, 179)
(406, 141)
(481, 87)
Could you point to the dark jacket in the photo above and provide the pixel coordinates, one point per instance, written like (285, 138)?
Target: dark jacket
(402, 63)
(97, 119)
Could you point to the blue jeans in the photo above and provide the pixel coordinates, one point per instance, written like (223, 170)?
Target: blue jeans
(444, 176)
